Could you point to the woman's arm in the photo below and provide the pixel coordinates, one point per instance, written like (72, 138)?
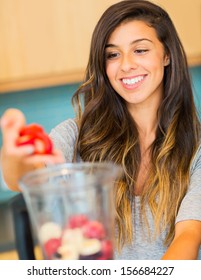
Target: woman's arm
(186, 243)
(17, 160)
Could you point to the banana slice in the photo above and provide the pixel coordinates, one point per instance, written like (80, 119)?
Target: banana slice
(49, 230)
(90, 247)
(68, 252)
(72, 236)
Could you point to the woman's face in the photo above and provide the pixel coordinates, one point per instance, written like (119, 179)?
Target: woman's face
(135, 61)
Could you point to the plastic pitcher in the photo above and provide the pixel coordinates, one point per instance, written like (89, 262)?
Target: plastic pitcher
(71, 209)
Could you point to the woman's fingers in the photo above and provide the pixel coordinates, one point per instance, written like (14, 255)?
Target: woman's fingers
(55, 158)
(11, 123)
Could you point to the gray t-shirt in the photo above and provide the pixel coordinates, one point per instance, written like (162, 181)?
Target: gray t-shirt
(64, 137)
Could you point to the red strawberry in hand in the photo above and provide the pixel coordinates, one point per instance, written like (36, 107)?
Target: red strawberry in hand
(35, 135)
(31, 129)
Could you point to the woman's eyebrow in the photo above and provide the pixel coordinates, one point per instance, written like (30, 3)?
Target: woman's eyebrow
(133, 42)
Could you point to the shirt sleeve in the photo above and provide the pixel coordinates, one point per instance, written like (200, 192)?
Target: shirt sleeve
(64, 137)
(190, 208)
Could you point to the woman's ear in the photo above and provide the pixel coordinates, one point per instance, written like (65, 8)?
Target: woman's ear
(166, 60)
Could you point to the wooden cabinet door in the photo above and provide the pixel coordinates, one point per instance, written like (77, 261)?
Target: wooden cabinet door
(46, 42)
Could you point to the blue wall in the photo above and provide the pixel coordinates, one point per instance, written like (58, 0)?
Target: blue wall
(196, 79)
(49, 106)
(46, 106)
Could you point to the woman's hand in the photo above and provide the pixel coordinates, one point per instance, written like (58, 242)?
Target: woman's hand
(17, 160)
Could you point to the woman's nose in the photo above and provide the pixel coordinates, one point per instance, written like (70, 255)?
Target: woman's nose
(128, 62)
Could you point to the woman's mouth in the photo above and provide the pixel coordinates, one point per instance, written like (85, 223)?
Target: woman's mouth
(132, 82)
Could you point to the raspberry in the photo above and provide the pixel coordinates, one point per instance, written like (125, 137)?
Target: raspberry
(51, 246)
(77, 221)
(94, 229)
(106, 250)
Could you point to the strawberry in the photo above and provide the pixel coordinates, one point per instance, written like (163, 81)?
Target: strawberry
(51, 247)
(34, 134)
(31, 129)
(106, 250)
(77, 221)
(94, 229)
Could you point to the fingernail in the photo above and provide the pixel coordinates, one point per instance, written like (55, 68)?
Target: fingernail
(3, 122)
(48, 162)
(29, 150)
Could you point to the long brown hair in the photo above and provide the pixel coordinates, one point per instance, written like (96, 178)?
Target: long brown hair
(107, 131)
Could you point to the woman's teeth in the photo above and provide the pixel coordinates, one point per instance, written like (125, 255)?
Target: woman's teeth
(133, 80)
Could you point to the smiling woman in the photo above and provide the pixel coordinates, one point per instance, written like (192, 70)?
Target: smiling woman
(138, 112)
(135, 62)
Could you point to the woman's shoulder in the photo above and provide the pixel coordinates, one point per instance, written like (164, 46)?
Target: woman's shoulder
(196, 163)
(69, 123)
(64, 136)
(66, 128)
(192, 198)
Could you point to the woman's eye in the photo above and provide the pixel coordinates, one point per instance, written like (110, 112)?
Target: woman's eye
(111, 55)
(141, 51)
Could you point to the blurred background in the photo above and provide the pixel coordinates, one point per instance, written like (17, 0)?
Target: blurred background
(44, 47)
